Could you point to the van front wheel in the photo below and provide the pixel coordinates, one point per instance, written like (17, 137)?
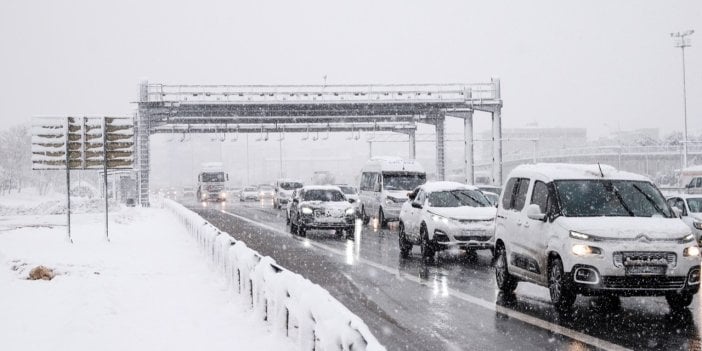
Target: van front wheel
(559, 286)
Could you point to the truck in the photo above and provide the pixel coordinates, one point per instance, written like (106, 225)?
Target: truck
(211, 182)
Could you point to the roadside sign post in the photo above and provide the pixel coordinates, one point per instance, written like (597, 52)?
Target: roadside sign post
(101, 143)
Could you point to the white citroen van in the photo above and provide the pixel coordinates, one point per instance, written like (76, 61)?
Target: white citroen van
(385, 182)
(592, 230)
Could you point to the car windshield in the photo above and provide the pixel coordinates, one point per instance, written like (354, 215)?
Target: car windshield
(213, 177)
(614, 198)
(458, 198)
(290, 185)
(265, 188)
(403, 181)
(249, 188)
(348, 190)
(695, 204)
(323, 195)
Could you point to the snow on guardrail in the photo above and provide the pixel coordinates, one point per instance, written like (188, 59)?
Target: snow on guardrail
(289, 303)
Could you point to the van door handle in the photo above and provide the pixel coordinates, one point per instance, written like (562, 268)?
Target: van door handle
(500, 216)
(526, 224)
(519, 223)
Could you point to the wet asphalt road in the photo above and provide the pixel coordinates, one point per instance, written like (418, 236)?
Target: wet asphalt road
(451, 303)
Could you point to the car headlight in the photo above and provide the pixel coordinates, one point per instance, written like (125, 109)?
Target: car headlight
(688, 238)
(350, 211)
(580, 236)
(697, 225)
(691, 251)
(306, 210)
(224, 194)
(437, 218)
(585, 250)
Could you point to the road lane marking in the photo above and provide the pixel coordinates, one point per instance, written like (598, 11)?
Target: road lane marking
(491, 306)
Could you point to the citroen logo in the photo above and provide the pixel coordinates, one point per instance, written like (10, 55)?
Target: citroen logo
(643, 238)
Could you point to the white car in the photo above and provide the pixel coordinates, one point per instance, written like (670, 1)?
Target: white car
(265, 192)
(351, 193)
(690, 207)
(248, 193)
(442, 215)
(592, 230)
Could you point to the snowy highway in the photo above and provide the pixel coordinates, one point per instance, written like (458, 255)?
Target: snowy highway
(451, 303)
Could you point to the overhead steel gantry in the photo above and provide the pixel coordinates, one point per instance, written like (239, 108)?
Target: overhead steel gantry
(311, 108)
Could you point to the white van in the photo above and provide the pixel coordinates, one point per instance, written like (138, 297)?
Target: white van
(592, 230)
(385, 182)
(283, 192)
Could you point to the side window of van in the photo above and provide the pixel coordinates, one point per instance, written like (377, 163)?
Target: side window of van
(365, 181)
(539, 196)
(520, 196)
(509, 192)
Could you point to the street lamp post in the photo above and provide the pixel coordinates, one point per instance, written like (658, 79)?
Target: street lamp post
(682, 41)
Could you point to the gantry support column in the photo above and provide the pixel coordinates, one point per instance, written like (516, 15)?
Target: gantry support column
(412, 145)
(439, 121)
(497, 138)
(468, 155)
(143, 131)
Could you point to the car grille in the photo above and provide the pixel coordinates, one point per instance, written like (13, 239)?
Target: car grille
(472, 237)
(644, 283)
(645, 258)
(466, 221)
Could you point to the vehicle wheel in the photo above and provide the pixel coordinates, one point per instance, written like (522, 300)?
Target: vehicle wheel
(559, 286)
(505, 281)
(679, 301)
(426, 245)
(293, 227)
(339, 232)
(405, 245)
(364, 216)
(381, 218)
(301, 230)
(350, 232)
(287, 218)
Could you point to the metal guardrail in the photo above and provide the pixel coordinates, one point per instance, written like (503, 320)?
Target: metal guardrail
(386, 93)
(290, 304)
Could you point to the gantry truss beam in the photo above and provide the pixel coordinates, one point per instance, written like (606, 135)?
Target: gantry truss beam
(405, 128)
(222, 109)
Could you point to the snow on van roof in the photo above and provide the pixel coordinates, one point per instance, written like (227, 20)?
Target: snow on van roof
(445, 186)
(556, 171)
(394, 164)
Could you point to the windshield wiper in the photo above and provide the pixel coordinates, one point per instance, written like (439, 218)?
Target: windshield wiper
(650, 200)
(621, 200)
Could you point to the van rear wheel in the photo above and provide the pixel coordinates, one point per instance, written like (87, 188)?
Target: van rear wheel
(505, 281)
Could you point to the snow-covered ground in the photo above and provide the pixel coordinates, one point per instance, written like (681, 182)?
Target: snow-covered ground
(149, 288)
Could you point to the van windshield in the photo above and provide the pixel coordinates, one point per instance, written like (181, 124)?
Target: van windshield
(612, 198)
(290, 185)
(695, 204)
(403, 181)
(213, 177)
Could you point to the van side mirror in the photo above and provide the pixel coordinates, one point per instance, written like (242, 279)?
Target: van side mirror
(416, 205)
(677, 211)
(411, 195)
(534, 212)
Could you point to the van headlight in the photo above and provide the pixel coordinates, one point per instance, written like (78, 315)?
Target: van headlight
(306, 210)
(697, 225)
(350, 211)
(585, 250)
(688, 238)
(691, 251)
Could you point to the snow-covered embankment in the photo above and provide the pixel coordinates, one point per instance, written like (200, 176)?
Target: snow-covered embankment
(291, 304)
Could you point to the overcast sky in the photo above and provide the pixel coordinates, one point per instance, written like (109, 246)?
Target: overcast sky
(562, 63)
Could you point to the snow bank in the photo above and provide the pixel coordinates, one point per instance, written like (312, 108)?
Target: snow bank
(292, 305)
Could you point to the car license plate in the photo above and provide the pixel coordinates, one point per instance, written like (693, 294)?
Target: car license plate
(645, 270)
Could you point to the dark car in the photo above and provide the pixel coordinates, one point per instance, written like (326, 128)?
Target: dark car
(321, 207)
